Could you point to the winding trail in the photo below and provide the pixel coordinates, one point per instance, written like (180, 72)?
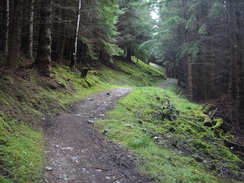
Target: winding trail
(168, 82)
(77, 153)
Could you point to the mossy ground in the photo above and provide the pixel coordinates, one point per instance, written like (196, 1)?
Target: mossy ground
(178, 149)
(25, 97)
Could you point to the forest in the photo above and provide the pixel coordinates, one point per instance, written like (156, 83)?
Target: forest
(199, 43)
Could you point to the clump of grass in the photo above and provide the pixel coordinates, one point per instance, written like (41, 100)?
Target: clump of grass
(173, 150)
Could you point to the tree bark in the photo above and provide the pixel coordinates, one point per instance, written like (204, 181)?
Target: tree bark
(43, 59)
(189, 78)
(239, 66)
(128, 55)
(6, 26)
(12, 60)
(27, 29)
(29, 46)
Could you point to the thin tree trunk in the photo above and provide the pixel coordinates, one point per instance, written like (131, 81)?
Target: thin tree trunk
(233, 77)
(190, 78)
(27, 29)
(239, 66)
(12, 60)
(43, 59)
(73, 61)
(128, 55)
(29, 46)
(6, 26)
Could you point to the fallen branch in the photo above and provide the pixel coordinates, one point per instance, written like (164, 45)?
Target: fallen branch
(118, 177)
(213, 113)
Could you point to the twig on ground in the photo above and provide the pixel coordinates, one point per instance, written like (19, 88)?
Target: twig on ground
(118, 177)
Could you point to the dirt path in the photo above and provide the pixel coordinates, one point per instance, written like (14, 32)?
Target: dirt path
(168, 82)
(77, 153)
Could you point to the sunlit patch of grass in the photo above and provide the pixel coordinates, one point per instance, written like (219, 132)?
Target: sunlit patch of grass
(171, 150)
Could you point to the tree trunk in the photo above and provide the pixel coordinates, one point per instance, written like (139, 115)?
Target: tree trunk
(27, 29)
(6, 26)
(73, 61)
(29, 46)
(14, 36)
(128, 55)
(43, 59)
(189, 78)
(239, 66)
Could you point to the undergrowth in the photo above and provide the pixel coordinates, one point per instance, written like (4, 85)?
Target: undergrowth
(26, 98)
(178, 149)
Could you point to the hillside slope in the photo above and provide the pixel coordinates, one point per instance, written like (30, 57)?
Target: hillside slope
(171, 137)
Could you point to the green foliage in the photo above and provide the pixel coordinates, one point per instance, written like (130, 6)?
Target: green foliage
(216, 9)
(178, 150)
(190, 49)
(136, 27)
(108, 12)
(202, 29)
(175, 20)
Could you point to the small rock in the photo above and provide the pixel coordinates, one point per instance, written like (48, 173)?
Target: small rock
(101, 115)
(91, 121)
(106, 131)
(48, 168)
(108, 93)
(75, 159)
(144, 130)
(68, 148)
(155, 138)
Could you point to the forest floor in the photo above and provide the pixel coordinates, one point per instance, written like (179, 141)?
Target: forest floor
(76, 152)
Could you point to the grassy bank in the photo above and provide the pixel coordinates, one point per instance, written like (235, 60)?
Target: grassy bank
(168, 135)
(26, 98)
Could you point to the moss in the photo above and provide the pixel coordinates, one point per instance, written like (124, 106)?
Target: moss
(21, 152)
(207, 121)
(4, 180)
(217, 123)
(198, 144)
(207, 108)
(185, 138)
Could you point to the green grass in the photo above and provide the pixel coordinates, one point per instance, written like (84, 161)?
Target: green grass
(182, 150)
(21, 152)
